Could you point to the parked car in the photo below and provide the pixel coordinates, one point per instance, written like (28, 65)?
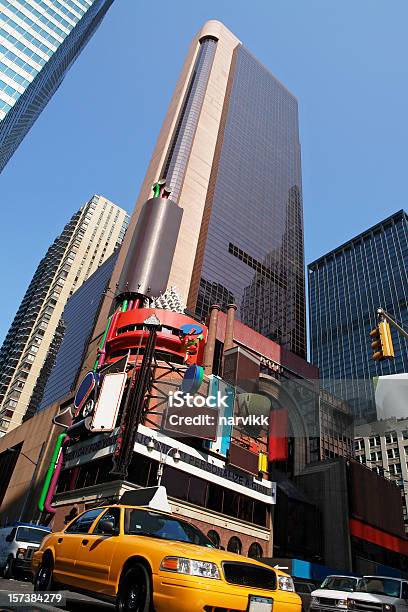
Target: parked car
(304, 590)
(333, 593)
(380, 593)
(17, 545)
(142, 558)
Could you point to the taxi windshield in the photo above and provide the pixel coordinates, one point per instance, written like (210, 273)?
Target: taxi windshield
(380, 586)
(339, 583)
(155, 525)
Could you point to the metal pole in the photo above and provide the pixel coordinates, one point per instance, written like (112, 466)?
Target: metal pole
(391, 321)
(163, 462)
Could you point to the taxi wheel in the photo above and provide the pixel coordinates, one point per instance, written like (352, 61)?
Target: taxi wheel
(134, 593)
(43, 578)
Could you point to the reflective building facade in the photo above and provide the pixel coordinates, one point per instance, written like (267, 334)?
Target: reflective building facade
(251, 240)
(346, 287)
(229, 151)
(78, 320)
(39, 41)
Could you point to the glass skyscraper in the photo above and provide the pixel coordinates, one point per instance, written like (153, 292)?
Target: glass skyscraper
(229, 151)
(78, 319)
(253, 241)
(346, 287)
(39, 40)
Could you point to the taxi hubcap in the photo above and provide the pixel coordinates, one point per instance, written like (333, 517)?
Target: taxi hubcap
(135, 598)
(43, 576)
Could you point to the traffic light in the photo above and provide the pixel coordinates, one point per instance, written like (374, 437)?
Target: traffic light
(382, 342)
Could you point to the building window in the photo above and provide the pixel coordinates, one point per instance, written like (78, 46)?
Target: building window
(235, 545)
(255, 551)
(375, 441)
(214, 537)
(395, 469)
(359, 444)
(391, 437)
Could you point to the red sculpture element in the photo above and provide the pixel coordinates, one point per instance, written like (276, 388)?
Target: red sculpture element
(126, 333)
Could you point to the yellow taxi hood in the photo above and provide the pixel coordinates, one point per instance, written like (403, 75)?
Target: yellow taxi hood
(174, 548)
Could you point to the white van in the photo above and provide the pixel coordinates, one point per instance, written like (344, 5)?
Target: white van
(380, 593)
(17, 545)
(333, 593)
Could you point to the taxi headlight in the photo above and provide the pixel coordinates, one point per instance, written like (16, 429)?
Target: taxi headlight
(192, 567)
(285, 583)
(388, 608)
(341, 603)
(21, 553)
(314, 600)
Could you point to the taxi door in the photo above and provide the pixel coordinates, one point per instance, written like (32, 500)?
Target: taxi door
(95, 555)
(67, 543)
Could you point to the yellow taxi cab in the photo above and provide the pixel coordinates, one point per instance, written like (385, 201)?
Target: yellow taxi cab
(146, 560)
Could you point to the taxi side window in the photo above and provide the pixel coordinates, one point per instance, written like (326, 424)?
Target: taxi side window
(113, 514)
(404, 593)
(83, 523)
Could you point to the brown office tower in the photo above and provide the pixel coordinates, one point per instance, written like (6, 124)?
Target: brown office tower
(229, 151)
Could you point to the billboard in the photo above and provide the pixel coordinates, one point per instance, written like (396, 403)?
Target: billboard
(375, 500)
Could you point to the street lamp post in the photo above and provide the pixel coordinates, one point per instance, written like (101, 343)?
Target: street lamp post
(151, 445)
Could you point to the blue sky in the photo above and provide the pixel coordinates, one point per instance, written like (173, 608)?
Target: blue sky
(345, 61)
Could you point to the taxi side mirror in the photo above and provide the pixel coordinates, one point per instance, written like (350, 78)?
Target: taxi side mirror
(107, 527)
(9, 538)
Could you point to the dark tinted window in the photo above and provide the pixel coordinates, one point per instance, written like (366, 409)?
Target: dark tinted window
(302, 587)
(154, 524)
(29, 534)
(380, 586)
(255, 551)
(176, 483)
(197, 491)
(246, 505)
(214, 537)
(260, 513)
(83, 523)
(214, 501)
(231, 499)
(234, 545)
(112, 514)
(339, 583)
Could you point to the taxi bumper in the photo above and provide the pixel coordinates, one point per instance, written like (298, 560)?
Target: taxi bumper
(173, 594)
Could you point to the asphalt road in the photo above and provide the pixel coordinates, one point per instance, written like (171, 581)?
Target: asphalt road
(73, 600)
